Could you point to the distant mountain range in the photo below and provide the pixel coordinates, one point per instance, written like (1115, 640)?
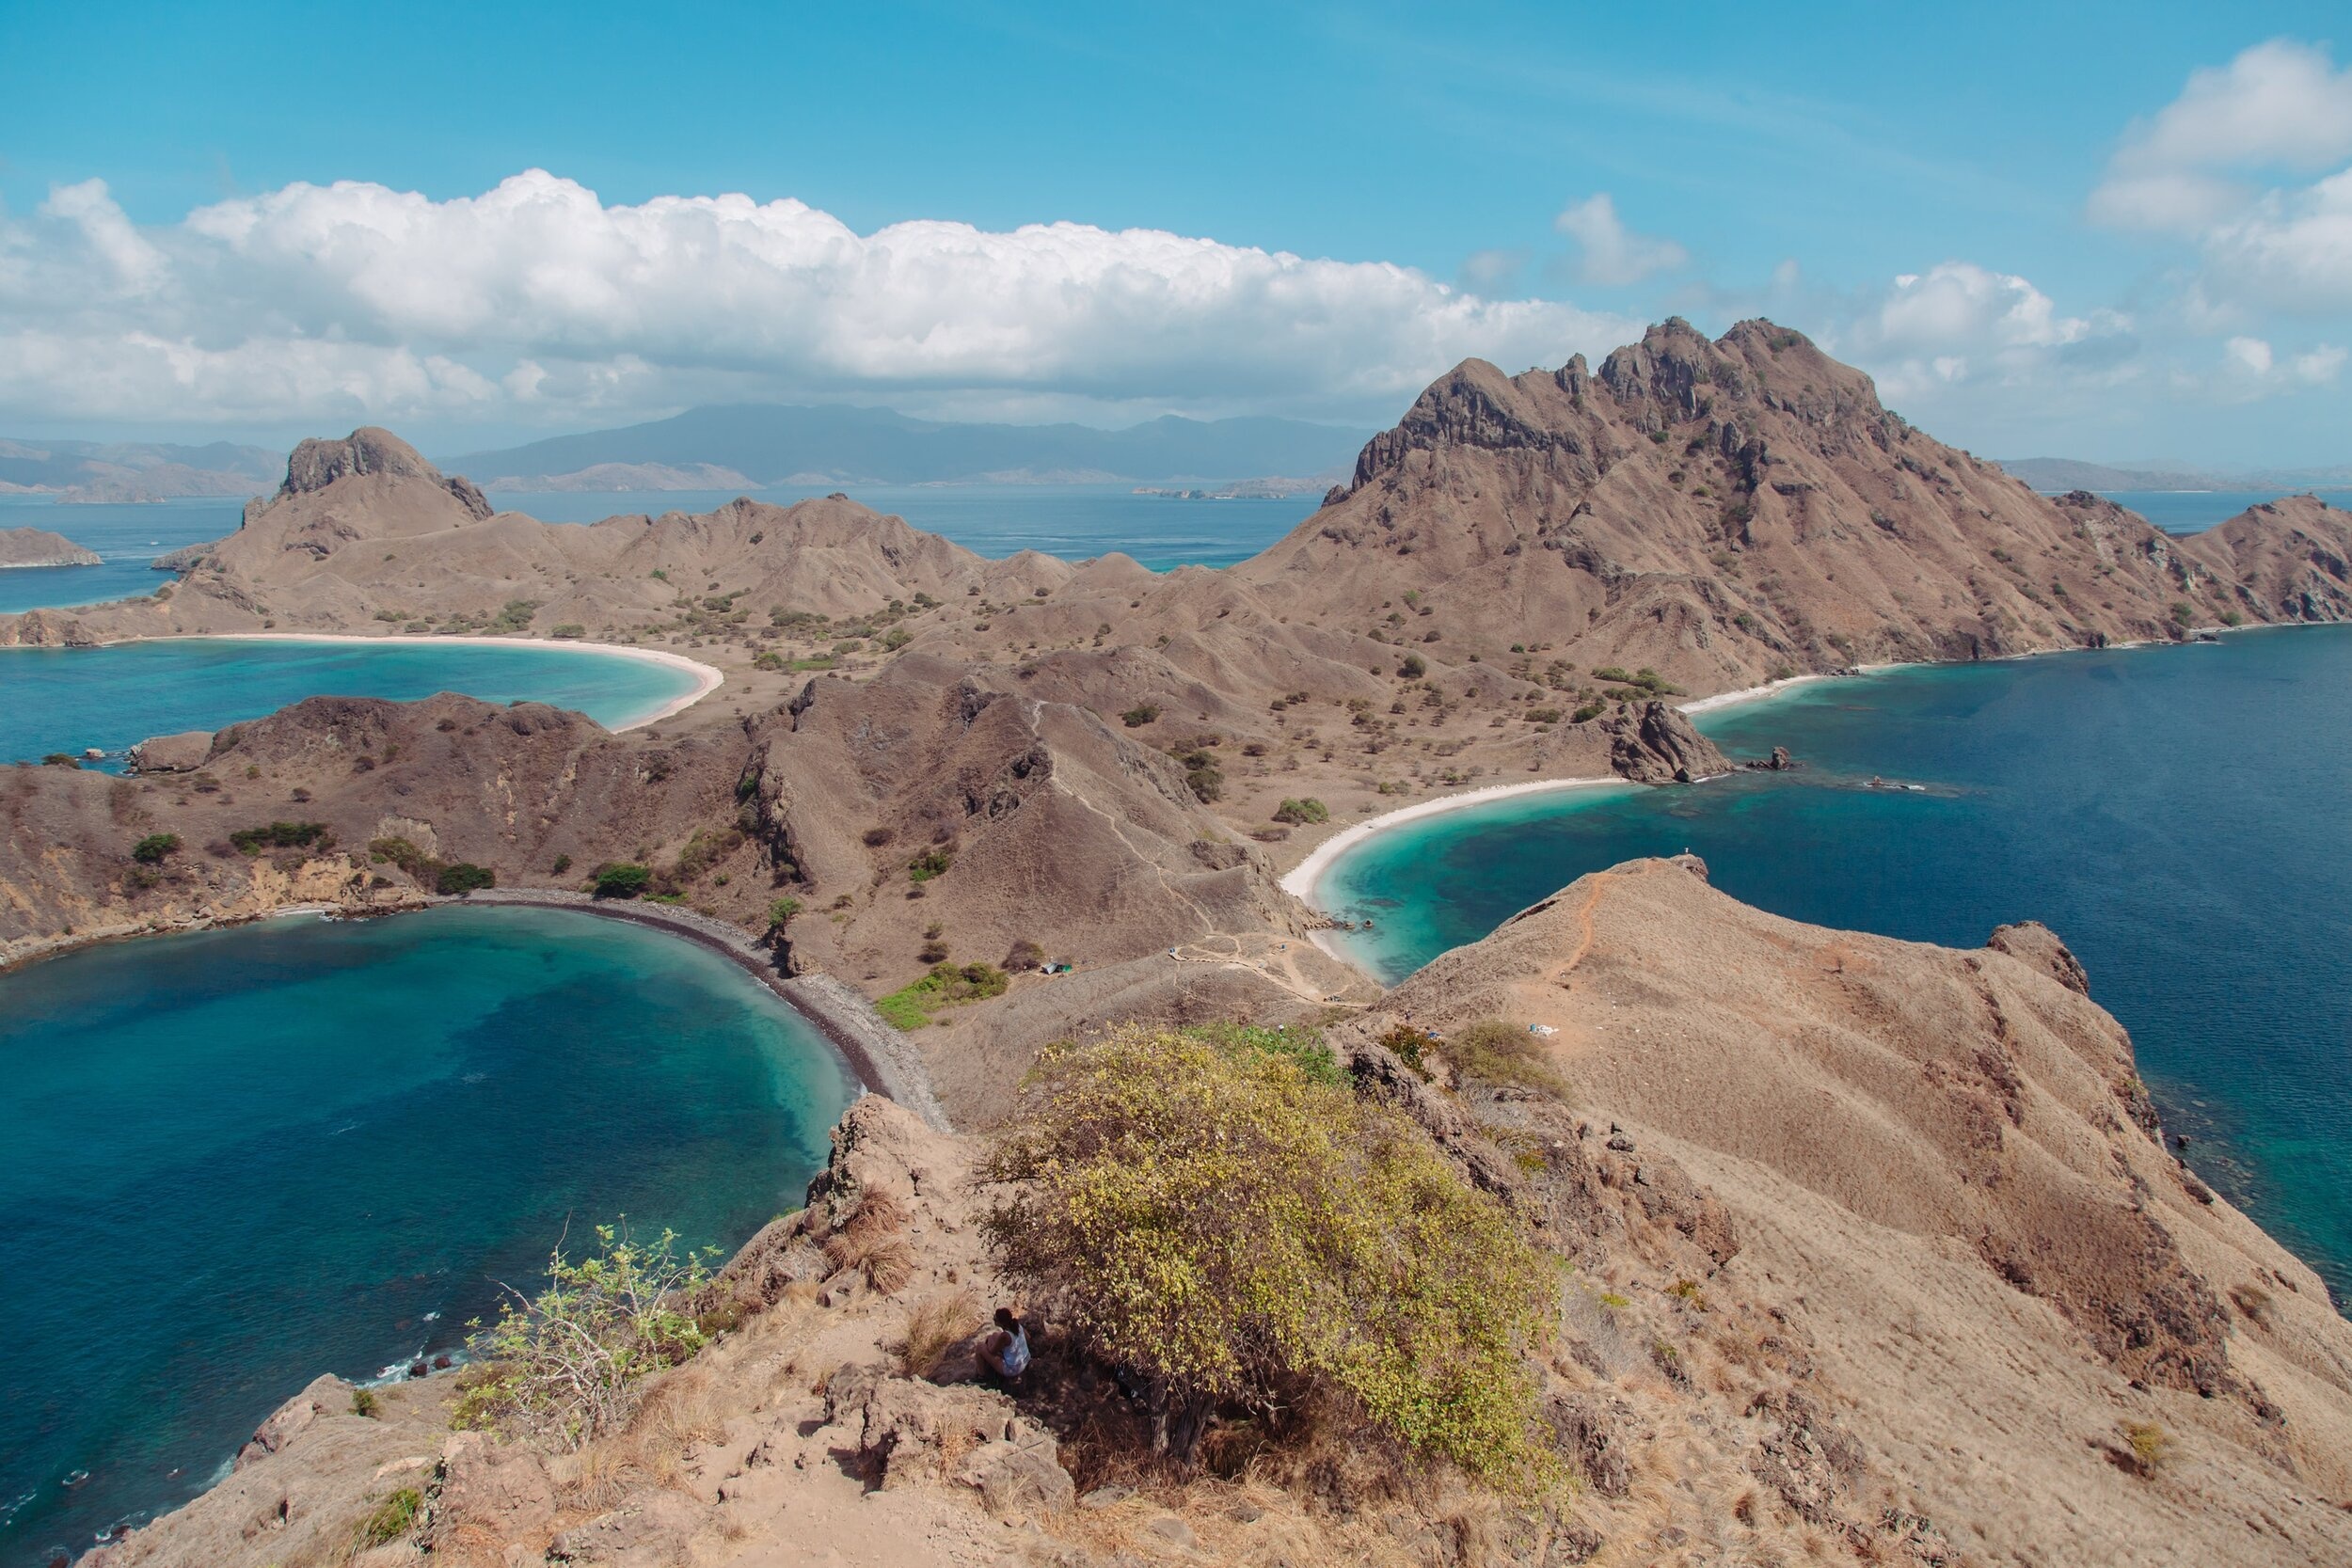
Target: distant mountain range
(759, 444)
(135, 470)
(2056, 474)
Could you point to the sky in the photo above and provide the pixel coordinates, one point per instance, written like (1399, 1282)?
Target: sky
(2117, 234)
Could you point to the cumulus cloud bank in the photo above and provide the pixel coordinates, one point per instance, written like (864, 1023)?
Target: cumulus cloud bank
(2222, 166)
(354, 299)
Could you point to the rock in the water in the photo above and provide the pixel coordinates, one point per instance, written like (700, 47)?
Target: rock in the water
(184, 752)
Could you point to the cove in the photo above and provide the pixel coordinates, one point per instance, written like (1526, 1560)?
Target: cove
(66, 698)
(2178, 816)
(232, 1160)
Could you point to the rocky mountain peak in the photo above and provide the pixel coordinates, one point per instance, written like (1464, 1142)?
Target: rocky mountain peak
(317, 463)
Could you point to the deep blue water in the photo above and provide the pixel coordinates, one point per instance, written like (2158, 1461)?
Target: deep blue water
(1073, 521)
(2177, 814)
(230, 1161)
(65, 698)
(127, 537)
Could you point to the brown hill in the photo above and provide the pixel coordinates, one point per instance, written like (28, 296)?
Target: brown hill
(1722, 510)
(1945, 1171)
(33, 547)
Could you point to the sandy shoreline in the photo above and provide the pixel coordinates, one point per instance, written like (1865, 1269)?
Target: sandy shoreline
(1301, 882)
(707, 678)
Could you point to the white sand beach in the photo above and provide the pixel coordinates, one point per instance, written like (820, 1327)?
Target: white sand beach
(707, 679)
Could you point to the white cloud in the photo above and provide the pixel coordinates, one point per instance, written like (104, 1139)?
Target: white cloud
(2250, 368)
(319, 303)
(2205, 168)
(1612, 254)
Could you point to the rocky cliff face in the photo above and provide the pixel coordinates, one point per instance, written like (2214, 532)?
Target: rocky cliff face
(1722, 510)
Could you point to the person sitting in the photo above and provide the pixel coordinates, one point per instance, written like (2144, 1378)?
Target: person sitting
(1006, 1351)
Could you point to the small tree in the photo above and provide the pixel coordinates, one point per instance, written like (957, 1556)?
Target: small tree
(565, 1364)
(1140, 714)
(1230, 1222)
(1306, 811)
(463, 877)
(780, 913)
(620, 879)
(155, 847)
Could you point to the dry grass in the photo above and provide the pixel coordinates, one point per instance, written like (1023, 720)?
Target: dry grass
(887, 1262)
(936, 1325)
(2149, 1445)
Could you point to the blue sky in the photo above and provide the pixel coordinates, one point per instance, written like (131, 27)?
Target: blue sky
(2039, 226)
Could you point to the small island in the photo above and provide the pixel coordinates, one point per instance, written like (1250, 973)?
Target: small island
(32, 547)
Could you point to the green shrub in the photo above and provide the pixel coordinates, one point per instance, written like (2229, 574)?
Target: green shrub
(1140, 714)
(565, 1364)
(563, 863)
(155, 847)
(931, 863)
(1502, 1052)
(620, 879)
(1207, 784)
(1543, 716)
(282, 836)
(364, 1402)
(569, 631)
(1589, 710)
(780, 913)
(897, 638)
(394, 1517)
(1299, 812)
(947, 986)
(1240, 1232)
(1412, 667)
(463, 877)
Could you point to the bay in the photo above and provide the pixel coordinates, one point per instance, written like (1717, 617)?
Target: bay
(2176, 814)
(233, 1160)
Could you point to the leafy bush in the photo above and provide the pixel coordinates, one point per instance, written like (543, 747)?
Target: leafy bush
(780, 913)
(931, 863)
(1543, 716)
(1140, 714)
(463, 877)
(364, 1402)
(569, 631)
(282, 836)
(1207, 784)
(1308, 810)
(1503, 1053)
(620, 879)
(394, 1517)
(897, 638)
(1412, 667)
(155, 847)
(565, 1364)
(1234, 1230)
(1589, 710)
(946, 985)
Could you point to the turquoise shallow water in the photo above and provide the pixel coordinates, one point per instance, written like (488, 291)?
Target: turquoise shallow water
(230, 1161)
(65, 699)
(2178, 815)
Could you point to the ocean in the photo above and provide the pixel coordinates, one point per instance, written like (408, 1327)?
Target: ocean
(1073, 521)
(232, 1160)
(68, 699)
(2175, 814)
(126, 537)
